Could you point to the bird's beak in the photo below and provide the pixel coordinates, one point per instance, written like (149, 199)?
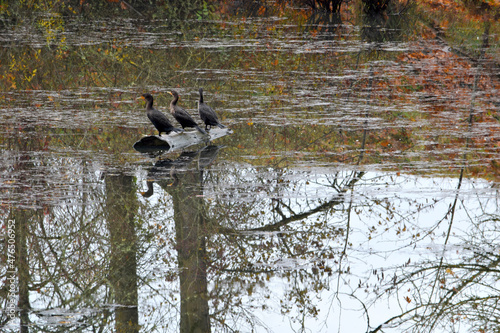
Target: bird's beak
(170, 93)
(140, 97)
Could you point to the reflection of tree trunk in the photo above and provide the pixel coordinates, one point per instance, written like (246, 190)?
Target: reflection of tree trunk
(121, 207)
(189, 224)
(22, 264)
(186, 190)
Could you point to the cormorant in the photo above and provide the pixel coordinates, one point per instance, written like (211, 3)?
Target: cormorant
(207, 114)
(159, 120)
(181, 115)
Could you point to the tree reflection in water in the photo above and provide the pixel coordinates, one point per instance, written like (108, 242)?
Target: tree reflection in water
(255, 248)
(182, 179)
(316, 236)
(316, 242)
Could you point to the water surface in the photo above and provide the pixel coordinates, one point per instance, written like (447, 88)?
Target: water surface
(353, 192)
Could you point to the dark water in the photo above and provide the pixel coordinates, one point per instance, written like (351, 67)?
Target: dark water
(352, 193)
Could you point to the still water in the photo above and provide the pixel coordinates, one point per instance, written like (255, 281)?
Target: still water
(352, 195)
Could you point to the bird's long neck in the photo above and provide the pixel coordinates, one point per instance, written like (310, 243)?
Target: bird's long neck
(174, 101)
(149, 104)
(201, 96)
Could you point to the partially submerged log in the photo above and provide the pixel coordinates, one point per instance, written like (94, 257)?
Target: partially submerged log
(177, 141)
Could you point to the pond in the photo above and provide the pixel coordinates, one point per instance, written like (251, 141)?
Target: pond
(357, 189)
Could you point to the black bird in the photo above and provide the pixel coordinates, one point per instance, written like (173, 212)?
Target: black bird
(181, 115)
(159, 120)
(207, 114)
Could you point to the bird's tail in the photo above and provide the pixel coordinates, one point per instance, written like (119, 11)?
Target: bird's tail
(220, 125)
(201, 130)
(178, 130)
